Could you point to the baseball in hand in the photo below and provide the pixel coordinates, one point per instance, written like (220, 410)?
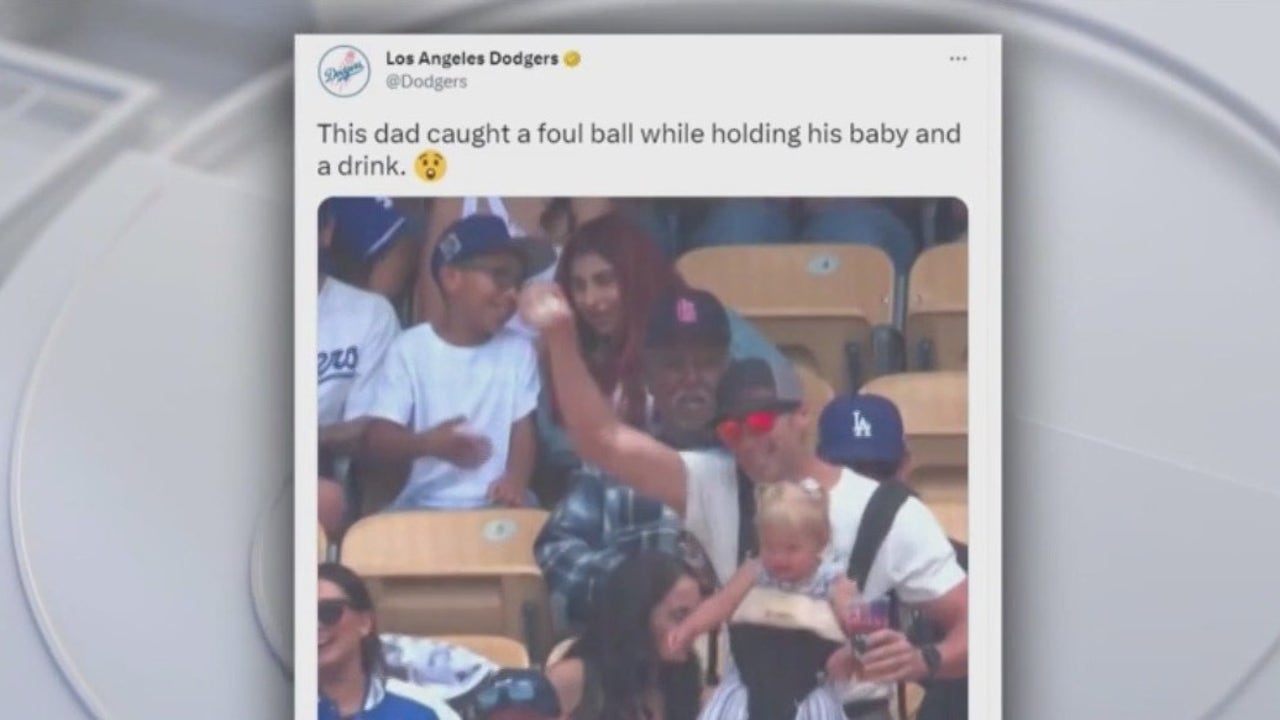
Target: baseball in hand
(547, 308)
(543, 306)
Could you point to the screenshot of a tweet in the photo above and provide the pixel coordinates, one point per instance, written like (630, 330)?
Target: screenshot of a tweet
(654, 376)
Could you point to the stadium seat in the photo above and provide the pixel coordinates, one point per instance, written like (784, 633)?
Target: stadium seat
(499, 649)
(322, 543)
(816, 302)
(846, 220)
(457, 572)
(935, 408)
(937, 325)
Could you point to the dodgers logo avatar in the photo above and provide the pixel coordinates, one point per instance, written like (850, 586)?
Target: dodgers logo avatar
(344, 71)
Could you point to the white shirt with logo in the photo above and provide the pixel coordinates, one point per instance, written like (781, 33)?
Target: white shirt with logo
(425, 381)
(355, 328)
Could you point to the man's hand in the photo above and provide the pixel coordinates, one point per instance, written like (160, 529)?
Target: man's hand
(891, 658)
(543, 306)
(449, 442)
(842, 664)
(505, 491)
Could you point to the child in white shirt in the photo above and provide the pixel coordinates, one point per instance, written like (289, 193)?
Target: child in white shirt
(456, 399)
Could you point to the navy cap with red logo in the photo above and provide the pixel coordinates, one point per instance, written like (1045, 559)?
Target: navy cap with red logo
(687, 317)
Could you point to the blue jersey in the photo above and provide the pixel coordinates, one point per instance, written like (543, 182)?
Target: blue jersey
(382, 703)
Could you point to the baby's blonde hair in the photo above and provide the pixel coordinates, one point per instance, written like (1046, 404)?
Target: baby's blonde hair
(798, 506)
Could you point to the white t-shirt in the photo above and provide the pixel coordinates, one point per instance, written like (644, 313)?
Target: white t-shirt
(355, 328)
(916, 559)
(425, 381)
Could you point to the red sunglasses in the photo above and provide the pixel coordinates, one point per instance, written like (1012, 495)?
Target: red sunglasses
(731, 430)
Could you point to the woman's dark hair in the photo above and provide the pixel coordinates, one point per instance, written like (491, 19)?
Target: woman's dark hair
(644, 275)
(619, 643)
(371, 658)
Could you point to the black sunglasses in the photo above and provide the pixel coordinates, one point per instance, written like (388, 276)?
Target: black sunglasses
(330, 611)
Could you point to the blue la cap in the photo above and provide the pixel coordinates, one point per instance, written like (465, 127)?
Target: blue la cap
(477, 235)
(856, 428)
(365, 227)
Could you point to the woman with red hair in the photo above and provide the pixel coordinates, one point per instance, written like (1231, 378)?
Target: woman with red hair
(612, 272)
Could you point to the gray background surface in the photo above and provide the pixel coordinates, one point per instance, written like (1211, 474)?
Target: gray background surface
(1140, 505)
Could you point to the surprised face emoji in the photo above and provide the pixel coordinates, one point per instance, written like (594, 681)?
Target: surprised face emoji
(429, 166)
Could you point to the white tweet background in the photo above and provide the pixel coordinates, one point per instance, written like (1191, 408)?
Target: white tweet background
(1140, 499)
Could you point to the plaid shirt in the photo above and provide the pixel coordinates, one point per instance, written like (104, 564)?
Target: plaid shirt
(599, 523)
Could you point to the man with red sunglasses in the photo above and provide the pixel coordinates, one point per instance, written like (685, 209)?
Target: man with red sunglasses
(761, 422)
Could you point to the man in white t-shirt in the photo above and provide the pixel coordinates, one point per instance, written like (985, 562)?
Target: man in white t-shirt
(457, 399)
(354, 329)
(762, 421)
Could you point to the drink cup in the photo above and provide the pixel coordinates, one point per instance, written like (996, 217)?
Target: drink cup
(862, 618)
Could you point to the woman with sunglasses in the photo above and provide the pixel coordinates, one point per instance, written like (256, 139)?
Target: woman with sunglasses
(353, 682)
(621, 667)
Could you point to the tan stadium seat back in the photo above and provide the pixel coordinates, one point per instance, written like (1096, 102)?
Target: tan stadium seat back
(938, 309)
(454, 572)
(501, 650)
(811, 300)
(934, 407)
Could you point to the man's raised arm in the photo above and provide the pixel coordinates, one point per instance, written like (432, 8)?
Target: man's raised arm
(596, 433)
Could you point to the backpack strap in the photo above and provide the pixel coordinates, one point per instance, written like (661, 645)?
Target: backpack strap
(873, 528)
(748, 544)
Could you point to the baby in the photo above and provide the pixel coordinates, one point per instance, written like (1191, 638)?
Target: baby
(779, 606)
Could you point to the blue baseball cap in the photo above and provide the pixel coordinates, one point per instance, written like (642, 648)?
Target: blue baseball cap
(856, 428)
(478, 235)
(365, 227)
